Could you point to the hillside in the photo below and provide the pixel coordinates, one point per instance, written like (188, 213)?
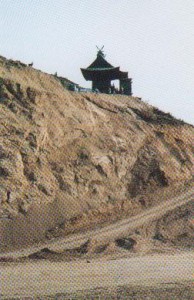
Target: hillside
(71, 161)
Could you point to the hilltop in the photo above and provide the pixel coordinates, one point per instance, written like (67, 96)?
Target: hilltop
(72, 161)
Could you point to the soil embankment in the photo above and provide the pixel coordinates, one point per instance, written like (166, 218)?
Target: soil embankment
(70, 161)
(103, 181)
(166, 224)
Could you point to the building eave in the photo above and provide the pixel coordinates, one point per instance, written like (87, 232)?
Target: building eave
(103, 74)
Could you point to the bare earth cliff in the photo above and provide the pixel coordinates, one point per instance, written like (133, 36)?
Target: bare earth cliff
(71, 161)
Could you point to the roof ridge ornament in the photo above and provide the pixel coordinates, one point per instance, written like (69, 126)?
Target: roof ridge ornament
(100, 51)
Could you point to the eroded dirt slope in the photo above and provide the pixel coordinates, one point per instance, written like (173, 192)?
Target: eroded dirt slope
(78, 160)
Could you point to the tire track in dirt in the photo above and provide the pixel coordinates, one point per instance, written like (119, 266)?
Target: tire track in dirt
(110, 232)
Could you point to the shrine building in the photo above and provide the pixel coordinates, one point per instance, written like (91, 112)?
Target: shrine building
(101, 73)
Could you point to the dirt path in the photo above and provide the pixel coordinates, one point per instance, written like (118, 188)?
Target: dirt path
(111, 232)
(49, 278)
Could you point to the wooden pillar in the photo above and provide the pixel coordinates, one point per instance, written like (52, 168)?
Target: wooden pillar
(126, 85)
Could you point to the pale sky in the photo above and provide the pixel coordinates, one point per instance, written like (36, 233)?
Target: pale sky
(151, 39)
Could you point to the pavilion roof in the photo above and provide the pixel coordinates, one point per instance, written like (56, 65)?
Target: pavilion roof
(109, 74)
(100, 63)
(101, 69)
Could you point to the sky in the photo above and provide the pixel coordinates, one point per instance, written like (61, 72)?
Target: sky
(151, 39)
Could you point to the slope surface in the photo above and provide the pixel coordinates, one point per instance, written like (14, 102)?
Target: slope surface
(112, 232)
(70, 161)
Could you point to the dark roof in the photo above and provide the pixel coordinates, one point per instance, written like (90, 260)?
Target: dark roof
(109, 74)
(101, 69)
(100, 63)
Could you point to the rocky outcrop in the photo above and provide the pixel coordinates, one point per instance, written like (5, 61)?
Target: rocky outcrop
(73, 160)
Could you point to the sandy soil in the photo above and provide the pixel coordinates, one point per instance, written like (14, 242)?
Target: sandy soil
(164, 292)
(74, 161)
(81, 172)
(47, 278)
(109, 233)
